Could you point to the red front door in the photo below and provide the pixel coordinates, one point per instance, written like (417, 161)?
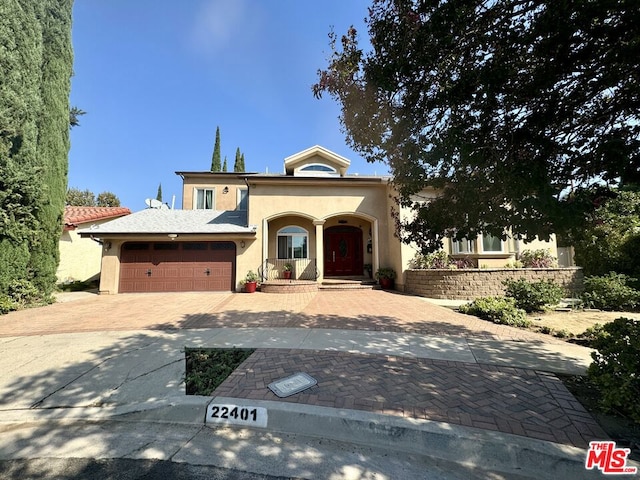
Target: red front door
(342, 251)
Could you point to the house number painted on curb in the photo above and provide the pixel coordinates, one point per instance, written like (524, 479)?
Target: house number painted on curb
(237, 415)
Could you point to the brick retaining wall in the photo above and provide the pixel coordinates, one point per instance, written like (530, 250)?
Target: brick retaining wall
(467, 284)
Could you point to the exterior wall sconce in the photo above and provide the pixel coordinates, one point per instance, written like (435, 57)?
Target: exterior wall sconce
(225, 190)
(107, 246)
(242, 243)
(172, 236)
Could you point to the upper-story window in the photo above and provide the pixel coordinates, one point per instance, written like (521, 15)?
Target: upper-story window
(292, 242)
(243, 198)
(316, 170)
(204, 199)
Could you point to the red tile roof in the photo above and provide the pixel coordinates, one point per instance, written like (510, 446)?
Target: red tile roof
(74, 216)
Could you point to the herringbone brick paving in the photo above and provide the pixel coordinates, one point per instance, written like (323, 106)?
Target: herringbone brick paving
(510, 400)
(515, 401)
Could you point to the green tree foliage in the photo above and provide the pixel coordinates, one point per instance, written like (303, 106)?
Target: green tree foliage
(615, 366)
(159, 194)
(224, 165)
(86, 198)
(107, 199)
(35, 69)
(610, 239)
(215, 159)
(74, 113)
(500, 106)
(81, 198)
(238, 165)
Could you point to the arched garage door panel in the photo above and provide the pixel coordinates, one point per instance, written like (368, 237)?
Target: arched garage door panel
(177, 267)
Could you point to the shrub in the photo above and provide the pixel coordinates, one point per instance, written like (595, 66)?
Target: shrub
(615, 367)
(537, 259)
(6, 304)
(23, 292)
(430, 261)
(610, 292)
(533, 296)
(498, 310)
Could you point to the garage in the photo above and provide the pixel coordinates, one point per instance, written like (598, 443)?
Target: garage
(177, 267)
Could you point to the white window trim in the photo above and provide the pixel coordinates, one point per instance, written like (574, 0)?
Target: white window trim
(239, 197)
(305, 234)
(481, 245)
(471, 246)
(195, 197)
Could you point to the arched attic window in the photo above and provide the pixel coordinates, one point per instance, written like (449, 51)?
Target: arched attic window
(293, 243)
(317, 169)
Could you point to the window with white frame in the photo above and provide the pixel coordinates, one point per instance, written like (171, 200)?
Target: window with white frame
(292, 243)
(491, 244)
(243, 198)
(462, 246)
(204, 199)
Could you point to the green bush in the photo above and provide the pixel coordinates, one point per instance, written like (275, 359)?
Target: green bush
(610, 292)
(533, 296)
(538, 259)
(6, 304)
(23, 292)
(498, 310)
(615, 367)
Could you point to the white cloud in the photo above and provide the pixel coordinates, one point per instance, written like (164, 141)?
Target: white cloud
(218, 23)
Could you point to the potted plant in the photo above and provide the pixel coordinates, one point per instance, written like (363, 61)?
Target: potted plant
(386, 277)
(250, 281)
(286, 271)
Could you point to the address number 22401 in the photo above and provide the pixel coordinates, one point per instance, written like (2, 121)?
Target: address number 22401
(237, 415)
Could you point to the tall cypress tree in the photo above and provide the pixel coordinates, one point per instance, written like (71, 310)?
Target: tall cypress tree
(53, 136)
(159, 194)
(224, 165)
(236, 164)
(215, 160)
(35, 71)
(242, 167)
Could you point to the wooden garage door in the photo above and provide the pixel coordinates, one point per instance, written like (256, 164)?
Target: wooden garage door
(177, 267)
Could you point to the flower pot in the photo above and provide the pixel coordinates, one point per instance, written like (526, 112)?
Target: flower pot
(286, 274)
(250, 287)
(386, 283)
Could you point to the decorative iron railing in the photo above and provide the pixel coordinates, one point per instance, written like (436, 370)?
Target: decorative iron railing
(301, 269)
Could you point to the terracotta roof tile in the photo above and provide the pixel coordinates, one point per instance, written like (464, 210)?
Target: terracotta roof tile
(74, 216)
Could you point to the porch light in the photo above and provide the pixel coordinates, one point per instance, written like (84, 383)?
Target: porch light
(225, 190)
(172, 236)
(241, 243)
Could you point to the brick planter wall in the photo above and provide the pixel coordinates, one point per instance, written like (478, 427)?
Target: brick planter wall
(468, 284)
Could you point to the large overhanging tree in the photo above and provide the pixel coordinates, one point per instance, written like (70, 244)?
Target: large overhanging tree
(517, 112)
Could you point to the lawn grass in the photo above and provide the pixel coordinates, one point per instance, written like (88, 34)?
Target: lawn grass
(206, 368)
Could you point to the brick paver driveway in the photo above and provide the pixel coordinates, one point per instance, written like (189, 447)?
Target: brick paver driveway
(522, 402)
(350, 310)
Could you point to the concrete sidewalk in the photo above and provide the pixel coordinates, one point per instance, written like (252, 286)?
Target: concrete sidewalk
(441, 384)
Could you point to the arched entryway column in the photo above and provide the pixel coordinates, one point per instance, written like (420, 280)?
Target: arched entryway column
(319, 248)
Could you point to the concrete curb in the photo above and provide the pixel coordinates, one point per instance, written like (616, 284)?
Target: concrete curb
(512, 455)
(472, 447)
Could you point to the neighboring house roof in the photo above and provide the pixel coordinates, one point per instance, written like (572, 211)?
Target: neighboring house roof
(75, 215)
(156, 221)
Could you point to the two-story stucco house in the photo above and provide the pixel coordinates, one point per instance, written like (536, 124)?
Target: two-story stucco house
(315, 217)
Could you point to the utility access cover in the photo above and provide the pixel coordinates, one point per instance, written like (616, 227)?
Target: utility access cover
(295, 383)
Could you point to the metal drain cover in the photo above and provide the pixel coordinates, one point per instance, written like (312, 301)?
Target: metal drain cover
(295, 383)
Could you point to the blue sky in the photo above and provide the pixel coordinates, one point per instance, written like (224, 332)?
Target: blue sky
(157, 76)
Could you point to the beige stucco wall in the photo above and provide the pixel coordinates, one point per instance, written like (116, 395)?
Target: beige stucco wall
(223, 201)
(365, 206)
(80, 258)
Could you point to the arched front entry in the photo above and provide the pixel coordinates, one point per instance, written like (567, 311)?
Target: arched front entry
(343, 251)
